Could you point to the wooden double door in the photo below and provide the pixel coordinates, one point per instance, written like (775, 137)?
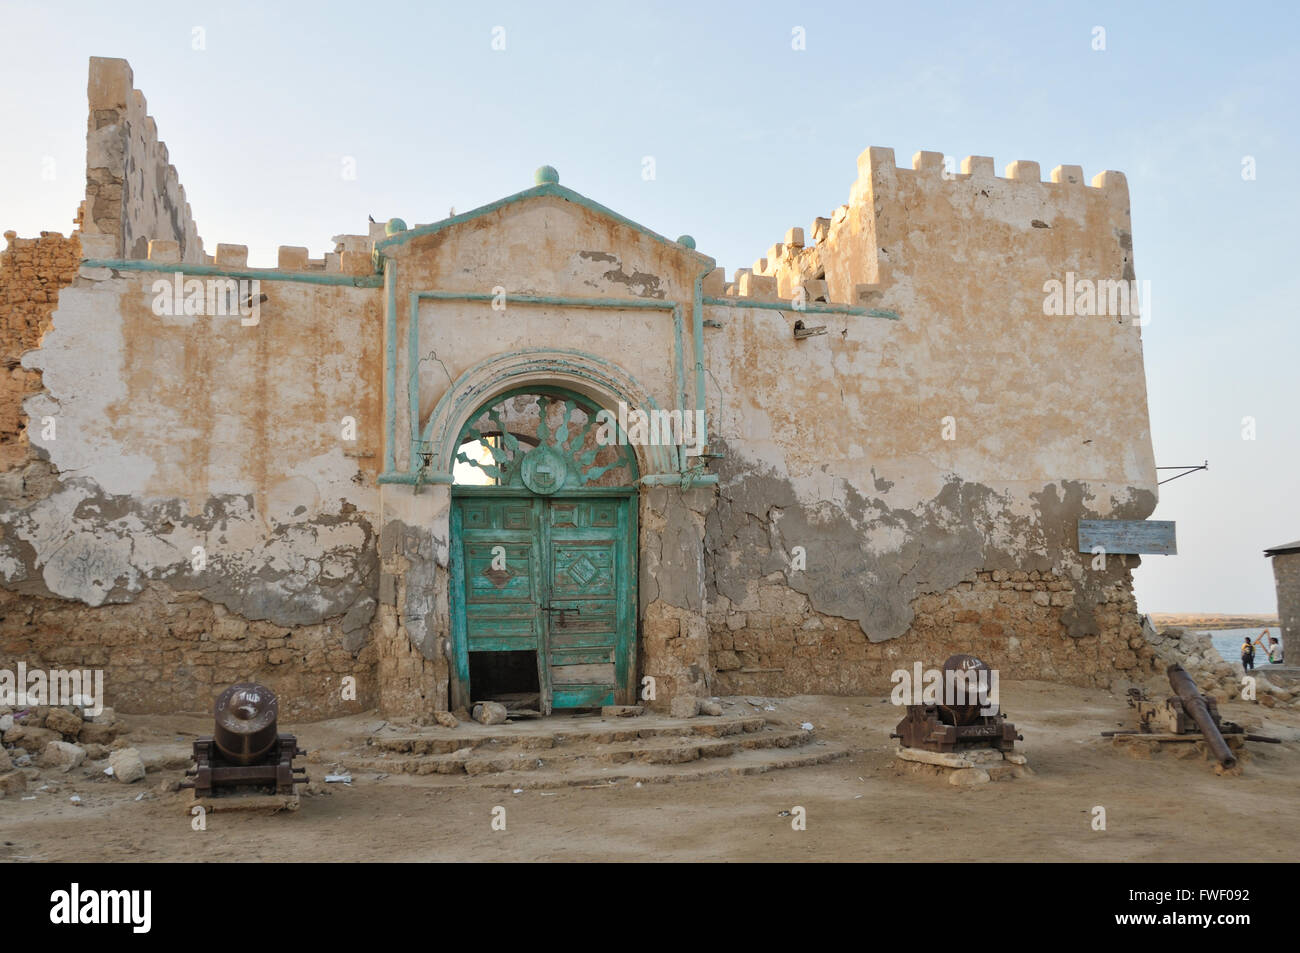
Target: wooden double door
(550, 575)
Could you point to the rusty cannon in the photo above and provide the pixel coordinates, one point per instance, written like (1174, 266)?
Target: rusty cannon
(962, 715)
(1186, 716)
(1194, 705)
(245, 753)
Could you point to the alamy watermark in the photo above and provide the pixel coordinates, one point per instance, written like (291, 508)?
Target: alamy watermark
(953, 687)
(219, 297)
(128, 907)
(654, 427)
(58, 688)
(1085, 297)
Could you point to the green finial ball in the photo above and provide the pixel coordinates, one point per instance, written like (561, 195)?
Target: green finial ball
(394, 226)
(687, 241)
(546, 175)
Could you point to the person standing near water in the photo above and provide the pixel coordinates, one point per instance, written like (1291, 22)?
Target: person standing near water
(1273, 650)
(1247, 655)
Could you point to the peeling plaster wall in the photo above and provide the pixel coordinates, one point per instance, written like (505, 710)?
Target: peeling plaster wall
(192, 406)
(177, 432)
(836, 443)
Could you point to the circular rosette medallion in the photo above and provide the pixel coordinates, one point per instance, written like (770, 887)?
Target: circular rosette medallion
(543, 470)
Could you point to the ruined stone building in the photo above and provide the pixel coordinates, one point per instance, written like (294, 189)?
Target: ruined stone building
(396, 463)
(1286, 576)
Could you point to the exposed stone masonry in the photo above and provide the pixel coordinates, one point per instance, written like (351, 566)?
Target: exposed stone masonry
(175, 651)
(32, 271)
(774, 643)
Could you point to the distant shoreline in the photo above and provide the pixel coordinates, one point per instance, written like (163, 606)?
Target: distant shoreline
(1206, 620)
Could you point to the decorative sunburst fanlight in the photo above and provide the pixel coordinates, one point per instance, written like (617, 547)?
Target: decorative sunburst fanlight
(545, 441)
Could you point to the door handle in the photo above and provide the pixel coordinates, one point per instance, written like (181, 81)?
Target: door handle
(562, 610)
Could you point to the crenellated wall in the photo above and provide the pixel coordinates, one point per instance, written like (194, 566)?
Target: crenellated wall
(133, 192)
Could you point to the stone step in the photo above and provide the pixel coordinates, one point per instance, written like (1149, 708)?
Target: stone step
(740, 764)
(489, 759)
(658, 749)
(527, 738)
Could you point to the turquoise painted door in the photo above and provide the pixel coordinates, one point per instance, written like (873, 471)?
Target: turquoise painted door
(501, 555)
(550, 575)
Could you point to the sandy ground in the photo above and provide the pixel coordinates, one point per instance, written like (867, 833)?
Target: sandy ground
(859, 808)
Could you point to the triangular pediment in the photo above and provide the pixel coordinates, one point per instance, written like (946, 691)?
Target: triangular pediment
(549, 240)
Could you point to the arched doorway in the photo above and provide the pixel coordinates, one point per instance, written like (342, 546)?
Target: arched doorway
(543, 554)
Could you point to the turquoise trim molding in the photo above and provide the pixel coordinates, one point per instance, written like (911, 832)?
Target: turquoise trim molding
(413, 479)
(697, 333)
(249, 274)
(492, 492)
(806, 309)
(390, 366)
(413, 380)
(679, 375)
(651, 304)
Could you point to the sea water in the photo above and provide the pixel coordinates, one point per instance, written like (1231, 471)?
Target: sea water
(1228, 642)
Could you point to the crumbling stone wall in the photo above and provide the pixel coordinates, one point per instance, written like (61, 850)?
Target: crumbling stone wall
(412, 625)
(773, 642)
(673, 648)
(32, 271)
(411, 686)
(173, 650)
(1286, 576)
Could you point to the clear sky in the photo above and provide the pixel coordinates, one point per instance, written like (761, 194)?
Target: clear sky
(749, 137)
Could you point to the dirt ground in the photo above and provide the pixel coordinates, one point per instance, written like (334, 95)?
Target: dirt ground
(863, 807)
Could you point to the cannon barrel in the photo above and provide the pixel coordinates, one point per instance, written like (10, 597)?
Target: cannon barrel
(246, 721)
(1194, 705)
(961, 673)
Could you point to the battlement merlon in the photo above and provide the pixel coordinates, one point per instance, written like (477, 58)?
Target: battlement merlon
(862, 244)
(133, 192)
(877, 162)
(935, 225)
